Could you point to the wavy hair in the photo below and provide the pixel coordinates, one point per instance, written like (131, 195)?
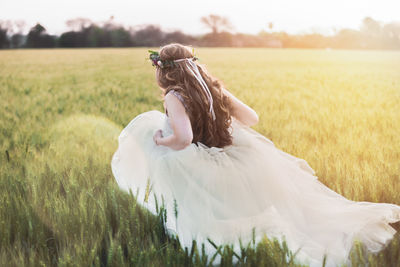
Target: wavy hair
(205, 130)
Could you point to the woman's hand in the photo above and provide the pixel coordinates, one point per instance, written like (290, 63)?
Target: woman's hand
(157, 136)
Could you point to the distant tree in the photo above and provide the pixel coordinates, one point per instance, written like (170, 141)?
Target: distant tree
(216, 23)
(268, 39)
(5, 30)
(73, 39)
(247, 40)
(120, 37)
(38, 38)
(371, 27)
(179, 37)
(17, 40)
(348, 38)
(219, 39)
(391, 32)
(98, 37)
(149, 35)
(312, 40)
(372, 33)
(84, 33)
(4, 42)
(78, 24)
(78, 36)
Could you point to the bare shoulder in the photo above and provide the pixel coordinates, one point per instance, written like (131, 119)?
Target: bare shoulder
(173, 103)
(180, 121)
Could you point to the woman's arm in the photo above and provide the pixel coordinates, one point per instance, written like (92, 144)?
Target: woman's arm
(180, 123)
(241, 111)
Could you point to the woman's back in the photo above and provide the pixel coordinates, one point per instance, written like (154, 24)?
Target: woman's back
(239, 110)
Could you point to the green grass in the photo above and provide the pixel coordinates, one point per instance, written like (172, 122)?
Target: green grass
(62, 110)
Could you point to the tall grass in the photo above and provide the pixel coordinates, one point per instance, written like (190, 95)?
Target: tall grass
(62, 111)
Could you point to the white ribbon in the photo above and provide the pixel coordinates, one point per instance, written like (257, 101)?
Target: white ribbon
(195, 71)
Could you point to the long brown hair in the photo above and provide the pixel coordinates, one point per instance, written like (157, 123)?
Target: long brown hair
(205, 129)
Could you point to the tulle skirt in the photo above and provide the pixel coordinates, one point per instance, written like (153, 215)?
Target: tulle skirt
(223, 194)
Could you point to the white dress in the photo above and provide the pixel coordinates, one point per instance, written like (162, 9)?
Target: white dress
(224, 193)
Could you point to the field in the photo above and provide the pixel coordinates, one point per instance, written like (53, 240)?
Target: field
(62, 111)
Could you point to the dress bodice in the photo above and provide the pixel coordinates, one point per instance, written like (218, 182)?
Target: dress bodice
(176, 93)
(167, 127)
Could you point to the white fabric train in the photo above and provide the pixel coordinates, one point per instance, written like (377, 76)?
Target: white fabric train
(224, 193)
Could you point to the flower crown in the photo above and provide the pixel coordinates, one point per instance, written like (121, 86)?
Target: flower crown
(158, 62)
(191, 66)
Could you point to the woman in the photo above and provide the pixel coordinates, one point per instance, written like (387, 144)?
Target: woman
(226, 179)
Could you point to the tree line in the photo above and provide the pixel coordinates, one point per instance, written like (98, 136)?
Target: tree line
(85, 33)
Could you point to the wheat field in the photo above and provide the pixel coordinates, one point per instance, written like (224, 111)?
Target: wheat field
(62, 111)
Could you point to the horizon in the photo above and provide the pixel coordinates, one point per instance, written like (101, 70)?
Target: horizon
(310, 16)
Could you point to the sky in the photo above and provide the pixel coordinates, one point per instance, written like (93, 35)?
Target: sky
(249, 16)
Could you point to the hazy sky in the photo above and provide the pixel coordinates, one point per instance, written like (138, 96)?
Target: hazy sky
(249, 16)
